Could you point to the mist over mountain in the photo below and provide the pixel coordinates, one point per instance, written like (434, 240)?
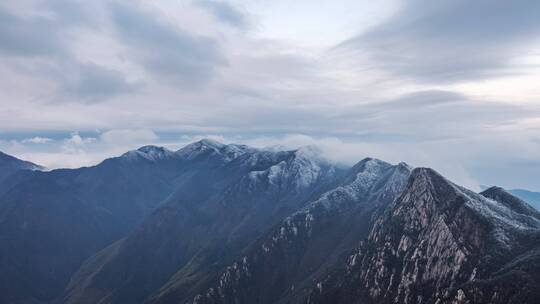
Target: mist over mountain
(217, 223)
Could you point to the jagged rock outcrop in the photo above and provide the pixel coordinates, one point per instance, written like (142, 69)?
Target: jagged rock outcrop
(441, 243)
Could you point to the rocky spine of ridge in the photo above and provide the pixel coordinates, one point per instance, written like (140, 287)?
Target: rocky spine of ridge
(438, 243)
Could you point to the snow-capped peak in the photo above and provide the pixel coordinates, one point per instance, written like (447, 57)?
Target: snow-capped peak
(364, 175)
(195, 149)
(300, 169)
(204, 146)
(405, 165)
(211, 143)
(310, 152)
(152, 153)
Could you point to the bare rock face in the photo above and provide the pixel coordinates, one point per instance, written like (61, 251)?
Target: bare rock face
(515, 277)
(441, 243)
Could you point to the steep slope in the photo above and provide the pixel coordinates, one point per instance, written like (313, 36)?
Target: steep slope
(288, 258)
(52, 221)
(203, 223)
(10, 165)
(441, 243)
(518, 279)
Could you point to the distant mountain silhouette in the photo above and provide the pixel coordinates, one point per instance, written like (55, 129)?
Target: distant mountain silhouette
(9, 167)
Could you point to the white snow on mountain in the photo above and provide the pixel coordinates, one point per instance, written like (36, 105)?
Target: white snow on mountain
(505, 220)
(369, 171)
(151, 153)
(228, 152)
(496, 211)
(302, 169)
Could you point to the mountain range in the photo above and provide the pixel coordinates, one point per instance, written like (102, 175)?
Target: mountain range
(216, 223)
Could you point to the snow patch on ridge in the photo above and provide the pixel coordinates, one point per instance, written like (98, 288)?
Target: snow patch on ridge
(505, 220)
(370, 171)
(301, 170)
(151, 153)
(227, 152)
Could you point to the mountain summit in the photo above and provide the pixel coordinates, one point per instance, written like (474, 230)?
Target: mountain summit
(151, 153)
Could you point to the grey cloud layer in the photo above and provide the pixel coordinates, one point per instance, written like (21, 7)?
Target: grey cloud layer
(36, 36)
(92, 82)
(111, 67)
(167, 52)
(47, 37)
(451, 40)
(225, 12)
(44, 41)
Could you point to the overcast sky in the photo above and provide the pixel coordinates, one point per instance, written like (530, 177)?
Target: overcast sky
(450, 84)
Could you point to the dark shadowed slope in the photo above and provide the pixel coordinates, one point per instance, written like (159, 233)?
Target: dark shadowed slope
(52, 221)
(203, 226)
(9, 166)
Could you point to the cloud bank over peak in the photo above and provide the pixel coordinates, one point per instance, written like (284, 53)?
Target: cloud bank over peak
(449, 84)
